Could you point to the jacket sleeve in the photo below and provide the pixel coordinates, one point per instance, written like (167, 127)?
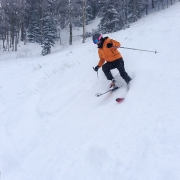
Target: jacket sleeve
(102, 60)
(115, 43)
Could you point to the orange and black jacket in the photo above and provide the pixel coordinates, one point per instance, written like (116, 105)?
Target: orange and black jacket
(108, 54)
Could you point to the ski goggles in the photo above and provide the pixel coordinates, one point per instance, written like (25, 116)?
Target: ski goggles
(97, 40)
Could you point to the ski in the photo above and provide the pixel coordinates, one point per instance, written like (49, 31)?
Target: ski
(119, 100)
(111, 90)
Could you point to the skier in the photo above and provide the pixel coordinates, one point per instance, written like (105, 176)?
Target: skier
(107, 50)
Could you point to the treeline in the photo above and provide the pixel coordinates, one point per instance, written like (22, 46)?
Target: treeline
(40, 21)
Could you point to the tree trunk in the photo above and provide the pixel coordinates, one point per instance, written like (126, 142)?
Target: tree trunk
(84, 21)
(7, 44)
(22, 32)
(59, 31)
(4, 37)
(70, 35)
(70, 24)
(125, 13)
(147, 7)
(25, 37)
(152, 3)
(134, 11)
(16, 40)
(12, 39)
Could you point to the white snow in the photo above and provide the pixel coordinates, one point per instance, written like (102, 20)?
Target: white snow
(52, 127)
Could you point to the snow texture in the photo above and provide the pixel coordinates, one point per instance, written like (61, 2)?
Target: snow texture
(52, 127)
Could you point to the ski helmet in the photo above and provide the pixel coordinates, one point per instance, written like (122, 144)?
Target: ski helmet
(96, 38)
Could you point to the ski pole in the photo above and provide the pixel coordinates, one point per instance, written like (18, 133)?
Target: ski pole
(139, 49)
(100, 94)
(111, 90)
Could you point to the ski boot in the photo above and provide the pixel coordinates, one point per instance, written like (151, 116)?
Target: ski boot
(112, 84)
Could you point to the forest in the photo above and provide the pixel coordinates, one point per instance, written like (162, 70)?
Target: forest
(41, 21)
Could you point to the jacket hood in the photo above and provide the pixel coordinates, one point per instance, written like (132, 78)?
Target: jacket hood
(100, 45)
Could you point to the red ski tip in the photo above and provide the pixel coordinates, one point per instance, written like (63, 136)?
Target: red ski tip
(119, 99)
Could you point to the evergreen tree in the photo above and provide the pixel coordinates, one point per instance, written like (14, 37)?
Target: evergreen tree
(34, 26)
(89, 14)
(38, 19)
(110, 21)
(49, 31)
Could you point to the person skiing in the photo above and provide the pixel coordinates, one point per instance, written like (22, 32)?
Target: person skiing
(107, 50)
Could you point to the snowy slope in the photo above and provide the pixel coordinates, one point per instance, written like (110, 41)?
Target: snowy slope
(52, 127)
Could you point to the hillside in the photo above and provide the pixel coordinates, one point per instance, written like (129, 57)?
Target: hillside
(52, 127)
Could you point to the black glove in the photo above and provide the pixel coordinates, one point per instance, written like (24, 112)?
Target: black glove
(96, 68)
(109, 45)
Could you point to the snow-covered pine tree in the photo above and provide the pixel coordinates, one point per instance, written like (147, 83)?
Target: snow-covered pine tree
(11, 22)
(110, 21)
(90, 12)
(49, 31)
(34, 26)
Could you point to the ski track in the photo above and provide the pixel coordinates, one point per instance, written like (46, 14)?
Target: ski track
(53, 127)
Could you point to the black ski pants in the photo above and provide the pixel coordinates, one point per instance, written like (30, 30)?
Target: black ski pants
(119, 64)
